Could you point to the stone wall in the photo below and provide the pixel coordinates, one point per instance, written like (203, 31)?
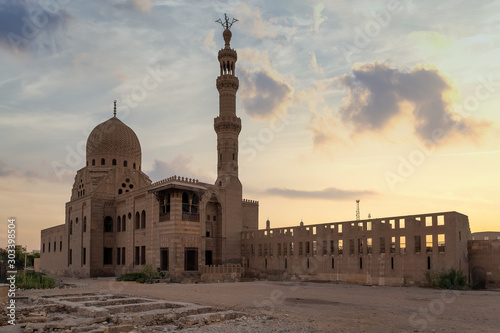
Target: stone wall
(484, 263)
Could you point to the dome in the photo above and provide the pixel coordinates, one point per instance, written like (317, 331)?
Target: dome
(113, 138)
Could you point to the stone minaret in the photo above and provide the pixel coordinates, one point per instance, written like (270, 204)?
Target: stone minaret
(227, 125)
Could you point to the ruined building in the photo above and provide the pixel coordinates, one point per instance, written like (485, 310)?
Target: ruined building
(118, 221)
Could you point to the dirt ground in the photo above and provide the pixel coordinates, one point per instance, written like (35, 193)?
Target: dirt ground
(318, 307)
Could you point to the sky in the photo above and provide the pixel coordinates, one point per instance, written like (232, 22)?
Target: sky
(394, 103)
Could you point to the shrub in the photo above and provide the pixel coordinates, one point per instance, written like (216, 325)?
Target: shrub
(450, 279)
(147, 275)
(32, 280)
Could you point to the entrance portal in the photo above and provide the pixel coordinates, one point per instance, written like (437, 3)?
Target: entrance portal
(191, 259)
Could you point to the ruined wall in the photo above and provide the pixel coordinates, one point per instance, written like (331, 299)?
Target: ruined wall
(53, 261)
(484, 263)
(250, 214)
(383, 251)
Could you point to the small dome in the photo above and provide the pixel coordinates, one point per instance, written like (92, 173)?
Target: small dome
(113, 138)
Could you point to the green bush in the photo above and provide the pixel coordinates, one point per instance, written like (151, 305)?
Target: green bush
(450, 279)
(147, 275)
(32, 280)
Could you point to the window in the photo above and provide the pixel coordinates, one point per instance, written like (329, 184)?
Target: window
(43, 248)
(137, 220)
(418, 244)
(60, 245)
(428, 262)
(114, 161)
(332, 248)
(55, 247)
(108, 256)
(84, 256)
(185, 202)
(440, 219)
(308, 250)
(108, 224)
(93, 162)
(118, 224)
(123, 256)
(194, 204)
(360, 246)
(137, 255)
(392, 262)
(103, 161)
(441, 242)
(143, 219)
(118, 256)
(340, 229)
(300, 249)
(49, 246)
(124, 224)
(325, 249)
(292, 245)
(393, 244)
(392, 223)
(369, 245)
(286, 264)
(85, 224)
(341, 246)
(428, 221)
(307, 262)
(70, 228)
(360, 263)
(368, 226)
(382, 245)
(125, 164)
(428, 243)
(402, 244)
(333, 263)
(285, 247)
(133, 166)
(402, 223)
(351, 246)
(70, 257)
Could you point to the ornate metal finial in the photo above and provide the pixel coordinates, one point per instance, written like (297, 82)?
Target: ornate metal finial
(226, 24)
(114, 109)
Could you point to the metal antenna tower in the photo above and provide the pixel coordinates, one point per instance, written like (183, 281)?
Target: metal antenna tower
(357, 210)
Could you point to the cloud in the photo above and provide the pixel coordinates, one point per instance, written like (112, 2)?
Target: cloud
(318, 19)
(209, 41)
(143, 6)
(179, 166)
(378, 94)
(313, 64)
(30, 26)
(330, 193)
(264, 94)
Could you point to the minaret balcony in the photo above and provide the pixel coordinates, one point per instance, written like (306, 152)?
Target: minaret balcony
(227, 81)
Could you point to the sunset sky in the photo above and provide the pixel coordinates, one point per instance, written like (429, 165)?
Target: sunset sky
(395, 103)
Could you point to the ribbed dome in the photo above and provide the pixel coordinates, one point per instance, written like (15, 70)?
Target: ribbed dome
(113, 138)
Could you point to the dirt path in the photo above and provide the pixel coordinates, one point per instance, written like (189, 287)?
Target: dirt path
(321, 307)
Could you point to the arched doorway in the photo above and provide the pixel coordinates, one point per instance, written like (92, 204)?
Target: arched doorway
(478, 278)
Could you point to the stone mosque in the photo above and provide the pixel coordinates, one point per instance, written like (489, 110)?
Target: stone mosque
(118, 221)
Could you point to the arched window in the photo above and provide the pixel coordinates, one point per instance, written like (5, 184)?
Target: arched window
(118, 224)
(76, 220)
(185, 202)
(114, 161)
(137, 220)
(143, 219)
(125, 164)
(93, 162)
(133, 166)
(124, 223)
(85, 224)
(108, 224)
(71, 227)
(103, 161)
(194, 204)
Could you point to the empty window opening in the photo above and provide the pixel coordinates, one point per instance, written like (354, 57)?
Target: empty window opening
(85, 224)
(71, 227)
(185, 202)
(428, 221)
(124, 224)
(333, 263)
(402, 244)
(428, 262)
(393, 244)
(143, 219)
(123, 256)
(286, 263)
(382, 245)
(307, 262)
(393, 224)
(70, 257)
(84, 256)
(103, 161)
(191, 259)
(402, 223)
(265, 263)
(360, 246)
(325, 249)
(93, 162)
(137, 220)
(341, 246)
(440, 219)
(332, 247)
(143, 255)
(60, 246)
(351, 246)
(108, 256)
(118, 256)
(368, 226)
(137, 256)
(369, 245)
(118, 224)
(340, 229)
(360, 263)
(108, 224)
(441, 242)
(300, 249)
(308, 250)
(392, 262)
(418, 244)
(428, 243)
(133, 166)
(194, 204)
(125, 164)
(460, 236)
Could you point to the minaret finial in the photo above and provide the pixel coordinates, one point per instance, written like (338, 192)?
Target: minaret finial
(226, 24)
(114, 109)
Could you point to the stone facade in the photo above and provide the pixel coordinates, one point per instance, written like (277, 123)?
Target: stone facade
(484, 259)
(118, 221)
